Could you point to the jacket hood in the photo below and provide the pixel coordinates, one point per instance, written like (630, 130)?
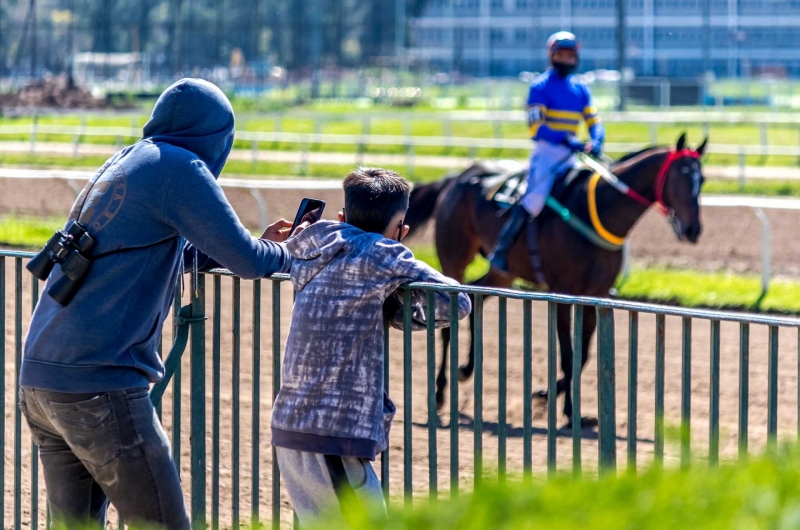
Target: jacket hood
(316, 246)
(195, 115)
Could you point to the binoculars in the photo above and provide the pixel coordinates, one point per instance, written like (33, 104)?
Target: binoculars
(72, 250)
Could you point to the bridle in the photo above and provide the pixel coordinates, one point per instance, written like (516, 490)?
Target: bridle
(672, 157)
(661, 180)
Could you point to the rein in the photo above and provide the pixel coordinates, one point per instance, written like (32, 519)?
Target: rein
(601, 172)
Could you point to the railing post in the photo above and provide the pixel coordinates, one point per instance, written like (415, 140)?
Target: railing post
(742, 164)
(304, 156)
(606, 390)
(34, 126)
(198, 400)
(262, 208)
(766, 253)
(253, 153)
(408, 462)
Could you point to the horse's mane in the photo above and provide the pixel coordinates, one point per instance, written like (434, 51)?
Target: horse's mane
(626, 161)
(628, 156)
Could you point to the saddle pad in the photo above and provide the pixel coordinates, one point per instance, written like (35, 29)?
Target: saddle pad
(508, 189)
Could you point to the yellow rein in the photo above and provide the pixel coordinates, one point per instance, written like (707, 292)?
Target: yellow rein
(596, 223)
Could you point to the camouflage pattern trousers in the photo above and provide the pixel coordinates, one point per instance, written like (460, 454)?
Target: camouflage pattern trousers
(102, 447)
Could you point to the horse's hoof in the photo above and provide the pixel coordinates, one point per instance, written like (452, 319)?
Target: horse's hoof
(439, 400)
(587, 422)
(541, 394)
(464, 373)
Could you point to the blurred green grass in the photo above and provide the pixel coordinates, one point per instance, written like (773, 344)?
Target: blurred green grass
(759, 493)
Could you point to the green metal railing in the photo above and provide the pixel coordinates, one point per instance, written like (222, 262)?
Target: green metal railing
(222, 387)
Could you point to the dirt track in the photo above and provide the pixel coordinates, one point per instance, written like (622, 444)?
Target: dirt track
(646, 387)
(729, 235)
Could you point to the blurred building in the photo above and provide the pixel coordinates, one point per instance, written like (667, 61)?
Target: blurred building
(674, 38)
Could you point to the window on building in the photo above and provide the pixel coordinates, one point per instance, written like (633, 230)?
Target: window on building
(751, 6)
(522, 5)
(496, 36)
(719, 7)
(592, 5)
(521, 35)
(678, 37)
(635, 5)
(677, 6)
(634, 35)
(498, 5)
(466, 5)
(549, 6)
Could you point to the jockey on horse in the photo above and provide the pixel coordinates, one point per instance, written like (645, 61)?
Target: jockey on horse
(557, 102)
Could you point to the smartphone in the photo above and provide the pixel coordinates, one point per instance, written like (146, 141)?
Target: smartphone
(310, 212)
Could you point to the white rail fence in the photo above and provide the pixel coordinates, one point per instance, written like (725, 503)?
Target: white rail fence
(305, 142)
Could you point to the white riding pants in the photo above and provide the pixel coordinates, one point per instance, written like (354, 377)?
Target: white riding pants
(547, 161)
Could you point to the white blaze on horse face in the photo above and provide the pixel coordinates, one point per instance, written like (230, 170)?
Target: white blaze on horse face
(696, 177)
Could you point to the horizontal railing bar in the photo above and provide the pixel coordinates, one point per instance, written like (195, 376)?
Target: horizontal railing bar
(301, 138)
(610, 303)
(696, 117)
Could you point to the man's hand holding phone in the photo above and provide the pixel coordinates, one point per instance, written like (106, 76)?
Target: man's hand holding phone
(278, 231)
(309, 213)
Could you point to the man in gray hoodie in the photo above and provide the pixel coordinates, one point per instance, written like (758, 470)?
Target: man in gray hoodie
(332, 416)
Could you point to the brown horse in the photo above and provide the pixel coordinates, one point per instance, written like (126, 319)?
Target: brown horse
(467, 224)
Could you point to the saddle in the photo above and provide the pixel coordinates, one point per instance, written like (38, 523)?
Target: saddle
(507, 189)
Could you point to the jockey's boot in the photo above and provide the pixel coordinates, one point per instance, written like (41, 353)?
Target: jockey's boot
(517, 218)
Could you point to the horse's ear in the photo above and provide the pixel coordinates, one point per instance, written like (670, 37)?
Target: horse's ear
(702, 148)
(681, 142)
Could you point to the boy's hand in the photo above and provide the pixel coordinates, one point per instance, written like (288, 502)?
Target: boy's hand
(278, 231)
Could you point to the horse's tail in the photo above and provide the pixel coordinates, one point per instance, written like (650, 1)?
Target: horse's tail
(423, 201)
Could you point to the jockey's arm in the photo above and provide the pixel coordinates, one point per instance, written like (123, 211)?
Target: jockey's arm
(539, 129)
(597, 132)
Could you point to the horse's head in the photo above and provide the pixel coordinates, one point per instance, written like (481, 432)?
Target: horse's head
(680, 181)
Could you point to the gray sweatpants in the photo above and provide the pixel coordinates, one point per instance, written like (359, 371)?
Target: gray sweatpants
(309, 480)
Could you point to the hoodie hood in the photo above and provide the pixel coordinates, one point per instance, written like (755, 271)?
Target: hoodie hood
(316, 246)
(195, 115)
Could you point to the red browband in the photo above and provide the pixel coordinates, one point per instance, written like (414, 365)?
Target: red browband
(661, 180)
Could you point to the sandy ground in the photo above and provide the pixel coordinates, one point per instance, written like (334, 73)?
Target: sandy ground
(730, 241)
(419, 453)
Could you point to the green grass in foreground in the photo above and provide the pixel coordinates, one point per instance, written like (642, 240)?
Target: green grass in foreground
(760, 493)
(686, 288)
